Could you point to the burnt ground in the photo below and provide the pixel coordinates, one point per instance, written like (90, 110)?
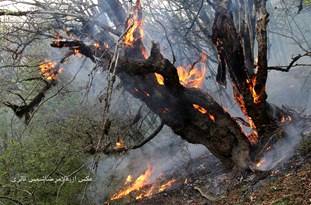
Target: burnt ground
(208, 183)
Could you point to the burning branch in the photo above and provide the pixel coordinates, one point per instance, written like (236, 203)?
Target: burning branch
(49, 71)
(175, 99)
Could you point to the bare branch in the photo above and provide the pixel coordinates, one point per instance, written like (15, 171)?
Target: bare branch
(292, 63)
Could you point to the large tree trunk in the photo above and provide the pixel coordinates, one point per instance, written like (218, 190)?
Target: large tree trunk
(192, 114)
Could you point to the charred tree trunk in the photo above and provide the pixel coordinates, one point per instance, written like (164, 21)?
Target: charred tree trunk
(192, 114)
(249, 87)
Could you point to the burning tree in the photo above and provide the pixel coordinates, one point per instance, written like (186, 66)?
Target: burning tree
(172, 92)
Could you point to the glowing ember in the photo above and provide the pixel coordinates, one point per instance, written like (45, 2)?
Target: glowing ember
(119, 144)
(260, 163)
(285, 119)
(96, 45)
(57, 39)
(49, 70)
(256, 96)
(200, 109)
(76, 51)
(160, 78)
(204, 111)
(138, 186)
(212, 117)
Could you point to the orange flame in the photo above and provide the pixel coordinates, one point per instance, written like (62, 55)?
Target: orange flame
(138, 185)
(200, 109)
(96, 45)
(204, 111)
(253, 137)
(192, 76)
(167, 185)
(160, 78)
(251, 85)
(134, 30)
(49, 70)
(260, 163)
(133, 25)
(119, 144)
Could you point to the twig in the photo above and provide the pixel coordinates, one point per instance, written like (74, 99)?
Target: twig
(11, 199)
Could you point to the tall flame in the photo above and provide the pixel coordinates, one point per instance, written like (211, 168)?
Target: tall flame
(134, 29)
(251, 85)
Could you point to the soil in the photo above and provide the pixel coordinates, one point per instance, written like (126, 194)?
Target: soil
(289, 184)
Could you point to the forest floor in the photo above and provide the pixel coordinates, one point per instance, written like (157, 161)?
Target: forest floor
(208, 183)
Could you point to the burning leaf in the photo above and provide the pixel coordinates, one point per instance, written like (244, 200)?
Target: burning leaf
(49, 70)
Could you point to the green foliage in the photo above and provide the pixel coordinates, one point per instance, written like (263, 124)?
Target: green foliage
(283, 201)
(305, 147)
(51, 146)
(307, 2)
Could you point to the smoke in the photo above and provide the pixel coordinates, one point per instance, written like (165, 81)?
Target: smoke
(287, 39)
(283, 149)
(166, 154)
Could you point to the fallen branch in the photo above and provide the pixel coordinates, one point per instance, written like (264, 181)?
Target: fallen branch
(205, 195)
